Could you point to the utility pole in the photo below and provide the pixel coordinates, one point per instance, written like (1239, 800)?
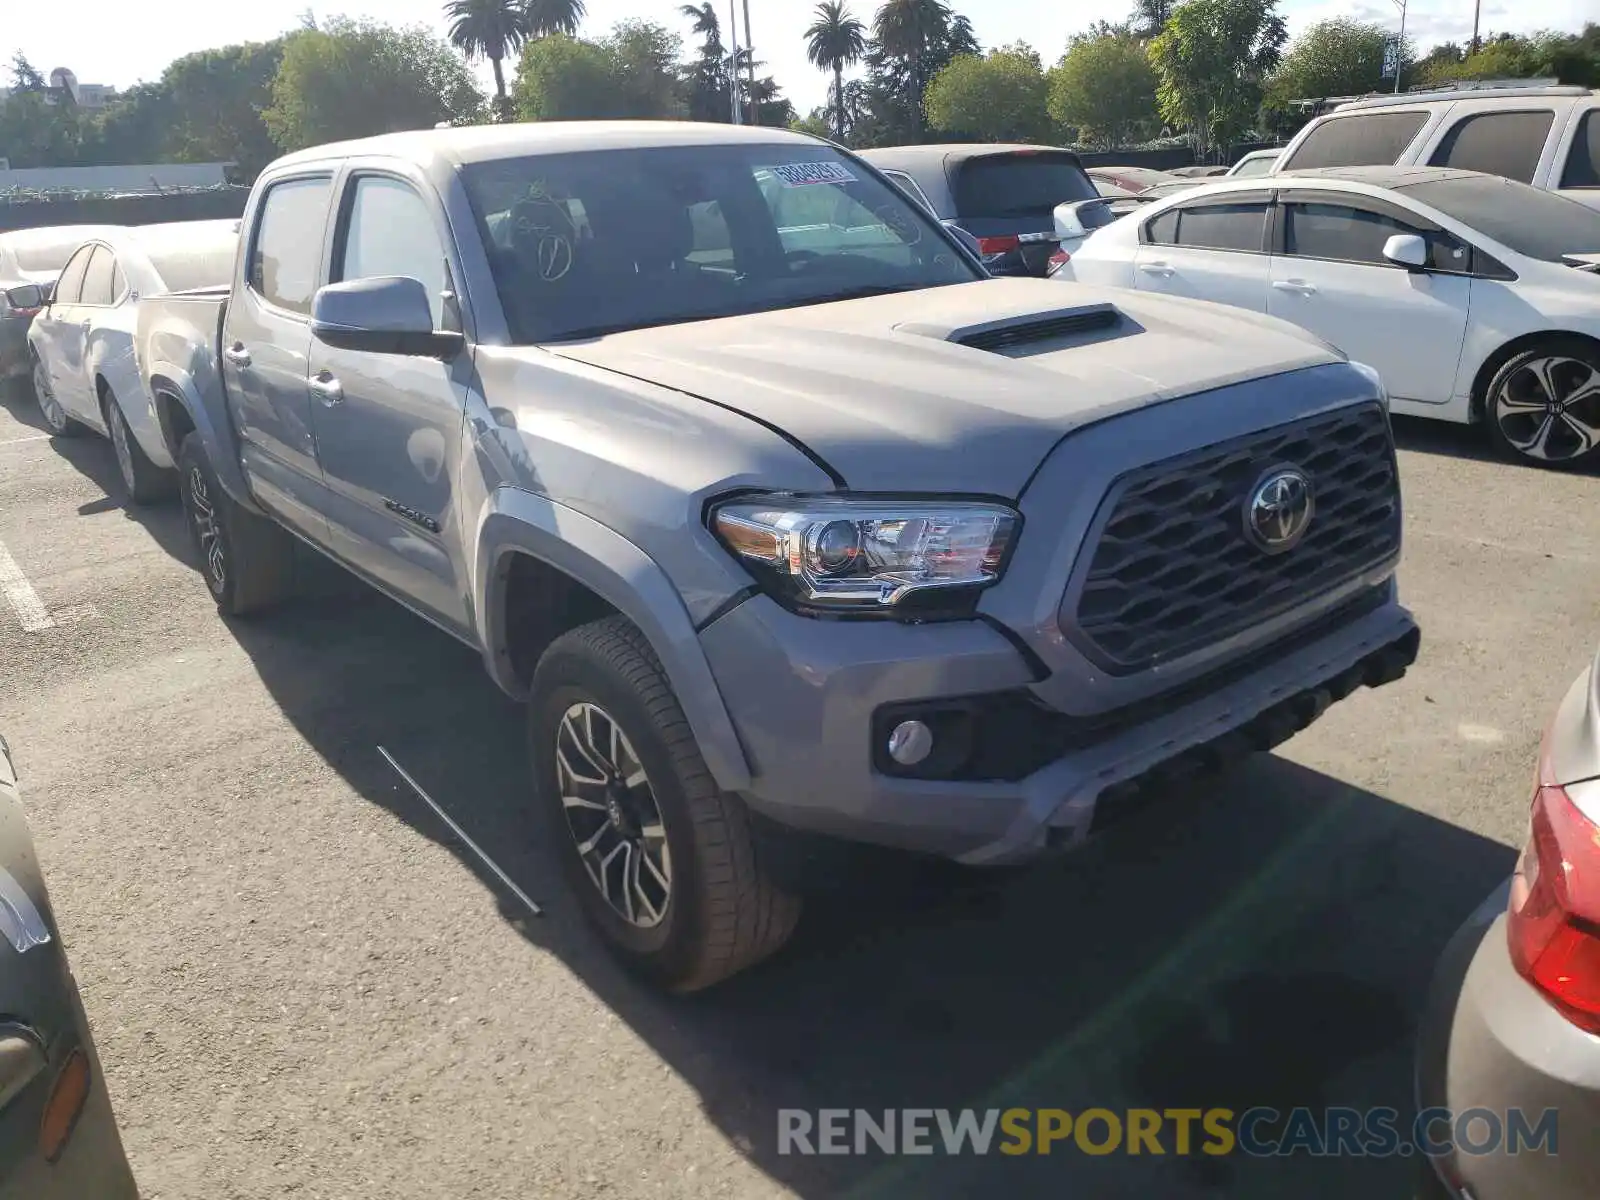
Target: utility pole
(750, 60)
(1400, 48)
(1477, 6)
(733, 60)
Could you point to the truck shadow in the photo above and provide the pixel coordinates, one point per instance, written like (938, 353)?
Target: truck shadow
(1264, 941)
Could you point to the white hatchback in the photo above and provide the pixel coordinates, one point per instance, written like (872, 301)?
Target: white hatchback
(81, 344)
(1476, 298)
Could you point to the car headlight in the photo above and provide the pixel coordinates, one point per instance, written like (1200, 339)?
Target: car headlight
(913, 559)
(1376, 380)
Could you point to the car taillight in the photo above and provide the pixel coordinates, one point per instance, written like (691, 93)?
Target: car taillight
(1554, 919)
(1059, 257)
(999, 245)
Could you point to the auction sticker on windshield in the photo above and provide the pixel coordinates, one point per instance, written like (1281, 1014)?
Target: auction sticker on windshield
(806, 174)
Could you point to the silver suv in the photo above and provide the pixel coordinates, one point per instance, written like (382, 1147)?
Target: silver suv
(1545, 136)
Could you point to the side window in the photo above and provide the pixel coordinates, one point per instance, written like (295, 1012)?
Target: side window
(1496, 143)
(100, 279)
(390, 231)
(69, 287)
(1583, 158)
(909, 186)
(712, 244)
(1162, 230)
(1344, 233)
(1368, 140)
(1239, 226)
(287, 251)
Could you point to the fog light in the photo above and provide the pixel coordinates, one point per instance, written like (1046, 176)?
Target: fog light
(910, 743)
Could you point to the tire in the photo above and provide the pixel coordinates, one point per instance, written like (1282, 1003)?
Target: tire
(55, 417)
(721, 910)
(246, 561)
(1543, 405)
(142, 480)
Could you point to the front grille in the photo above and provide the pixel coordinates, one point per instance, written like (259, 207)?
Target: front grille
(1173, 569)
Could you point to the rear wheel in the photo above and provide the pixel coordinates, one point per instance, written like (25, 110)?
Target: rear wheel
(142, 480)
(663, 863)
(1543, 405)
(247, 562)
(55, 416)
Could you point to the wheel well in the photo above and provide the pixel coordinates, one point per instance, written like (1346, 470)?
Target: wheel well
(1492, 364)
(542, 603)
(174, 420)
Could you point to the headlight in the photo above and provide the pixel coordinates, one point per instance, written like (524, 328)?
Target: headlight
(1372, 377)
(907, 558)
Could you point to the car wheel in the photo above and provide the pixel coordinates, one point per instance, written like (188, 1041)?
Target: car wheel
(55, 416)
(247, 562)
(142, 480)
(663, 863)
(1543, 405)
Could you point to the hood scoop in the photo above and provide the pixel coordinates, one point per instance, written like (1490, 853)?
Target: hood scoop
(1015, 333)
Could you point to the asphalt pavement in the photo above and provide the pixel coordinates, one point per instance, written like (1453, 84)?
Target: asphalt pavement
(301, 985)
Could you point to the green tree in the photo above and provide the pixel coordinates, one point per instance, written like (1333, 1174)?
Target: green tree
(630, 73)
(1570, 58)
(134, 129)
(910, 31)
(216, 102)
(709, 97)
(40, 126)
(1210, 59)
(490, 29)
(1149, 17)
(644, 57)
(836, 39)
(1000, 97)
(554, 16)
(1106, 89)
(1340, 57)
(352, 79)
(815, 123)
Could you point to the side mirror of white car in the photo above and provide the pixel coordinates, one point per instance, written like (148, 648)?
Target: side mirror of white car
(1407, 250)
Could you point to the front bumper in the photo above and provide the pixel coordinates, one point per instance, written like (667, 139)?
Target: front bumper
(1489, 1040)
(803, 695)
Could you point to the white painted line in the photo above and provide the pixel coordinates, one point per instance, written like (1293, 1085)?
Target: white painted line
(19, 593)
(38, 437)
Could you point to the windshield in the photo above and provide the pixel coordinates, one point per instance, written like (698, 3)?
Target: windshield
(591, 243)
(1525, 219)
(1019, 185)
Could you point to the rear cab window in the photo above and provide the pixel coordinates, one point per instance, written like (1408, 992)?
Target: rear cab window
(1508, 144)
(1372, 139)
(1025, 184)
(1582, 169)
(286, 255)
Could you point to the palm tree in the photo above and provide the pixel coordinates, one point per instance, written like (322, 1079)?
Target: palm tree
(705, 26)
(492, 29)
(553, 16)
(907, 30)
(836, 40)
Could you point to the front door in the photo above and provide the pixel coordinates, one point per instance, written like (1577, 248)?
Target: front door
(62, 334)
(389, 427)
(265, 343)
(1331, 278)
(1210, 249)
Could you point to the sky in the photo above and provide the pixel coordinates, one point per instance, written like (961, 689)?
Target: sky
(120, 42)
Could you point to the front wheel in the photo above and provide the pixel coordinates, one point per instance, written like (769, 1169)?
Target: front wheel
(1543, 405)
(55, 416)
(247, 562)
(663, 863)
(142, 480)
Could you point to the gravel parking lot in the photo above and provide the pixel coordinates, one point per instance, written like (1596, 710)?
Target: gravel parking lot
(302, 986)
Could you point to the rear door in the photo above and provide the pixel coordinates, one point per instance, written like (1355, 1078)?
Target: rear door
(74, 388)
(266, 346)
(1211, 248)
(389, 427)
(1329, 276)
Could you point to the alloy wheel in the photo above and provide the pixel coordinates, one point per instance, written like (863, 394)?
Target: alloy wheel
(49, 407)
(1549, 408)
(207, 532)
(613, 816)
(119, 441)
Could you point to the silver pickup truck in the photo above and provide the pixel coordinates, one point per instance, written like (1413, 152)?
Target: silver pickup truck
(778, 536)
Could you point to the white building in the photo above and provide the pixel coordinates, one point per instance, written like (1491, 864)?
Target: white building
(90, 96)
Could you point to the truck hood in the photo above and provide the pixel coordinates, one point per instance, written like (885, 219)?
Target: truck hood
(955, 389)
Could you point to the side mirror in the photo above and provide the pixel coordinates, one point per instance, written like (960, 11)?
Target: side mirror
(1407, 250)
(386, 315)
(26, 298)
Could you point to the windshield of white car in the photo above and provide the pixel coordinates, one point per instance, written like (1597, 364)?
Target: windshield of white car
(1526, 219)
(615, 240)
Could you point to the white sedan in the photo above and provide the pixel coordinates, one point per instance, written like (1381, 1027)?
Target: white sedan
(81, 344)
(1476, 298)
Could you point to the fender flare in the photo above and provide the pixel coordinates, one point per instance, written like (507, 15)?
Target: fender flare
(169, 379)
(514, 521)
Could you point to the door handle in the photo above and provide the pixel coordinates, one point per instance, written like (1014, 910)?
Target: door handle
(1157, 268)
(237, 355)
(1298, 286)
(326, 388)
